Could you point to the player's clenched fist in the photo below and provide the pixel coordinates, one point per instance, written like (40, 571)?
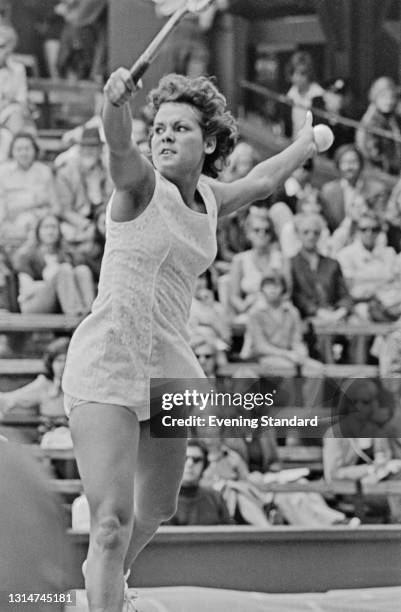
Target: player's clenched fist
(120, 87)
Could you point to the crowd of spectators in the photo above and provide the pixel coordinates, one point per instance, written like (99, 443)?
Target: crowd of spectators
(305, 254)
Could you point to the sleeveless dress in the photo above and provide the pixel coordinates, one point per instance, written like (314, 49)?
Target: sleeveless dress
(137, 329)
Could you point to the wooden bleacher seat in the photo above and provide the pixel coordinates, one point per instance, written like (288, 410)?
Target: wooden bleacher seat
(332, 370)
(344, 328)
(71, 486)
(360, 332)
(19, 367)
(342, 370)
(16, 322)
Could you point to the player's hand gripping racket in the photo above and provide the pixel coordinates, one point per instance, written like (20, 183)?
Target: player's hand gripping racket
(150, 53)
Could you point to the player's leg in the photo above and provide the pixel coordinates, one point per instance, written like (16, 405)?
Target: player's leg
(106, 444)
(159, 470)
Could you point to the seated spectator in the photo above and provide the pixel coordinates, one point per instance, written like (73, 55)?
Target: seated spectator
(345, 233)
(371, 271)
(380, 151)
(339, 197)
(244, 490)
(83, 185)
(337, 100)
(274, 332)
(241, 161)
(298, 191)
(248, 268)
(207, 318)
(49, 280)
(13, 84)
(71, 138)
(304, 89)
(274, 337)
(208, 354)
(44, 395)
(227, 472)
(319, 289)
(351, 448)
(27, 189)
(231, 235)
(198, 505)
(298, 196)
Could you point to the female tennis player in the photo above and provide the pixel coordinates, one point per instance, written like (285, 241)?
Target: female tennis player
(161, 235)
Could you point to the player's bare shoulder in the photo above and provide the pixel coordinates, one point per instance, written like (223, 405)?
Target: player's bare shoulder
(127, 205)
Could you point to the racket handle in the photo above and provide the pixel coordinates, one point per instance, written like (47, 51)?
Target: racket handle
(139, 69)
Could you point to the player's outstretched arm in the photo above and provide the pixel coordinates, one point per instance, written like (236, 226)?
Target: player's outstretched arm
(129, 170)
(262, 180)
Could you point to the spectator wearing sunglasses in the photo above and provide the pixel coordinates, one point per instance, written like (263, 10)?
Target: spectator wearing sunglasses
(207, 353)
(319, 289)
(371, 271)
(249, 267)
(198, 505)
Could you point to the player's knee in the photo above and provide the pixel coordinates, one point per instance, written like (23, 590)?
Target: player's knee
(109, 533)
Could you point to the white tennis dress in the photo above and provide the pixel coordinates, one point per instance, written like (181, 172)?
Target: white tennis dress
(137, 329)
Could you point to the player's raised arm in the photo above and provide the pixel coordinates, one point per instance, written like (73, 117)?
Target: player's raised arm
(129, 169)
(262, 180)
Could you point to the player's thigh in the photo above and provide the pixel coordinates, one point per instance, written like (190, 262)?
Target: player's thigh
(105, 441)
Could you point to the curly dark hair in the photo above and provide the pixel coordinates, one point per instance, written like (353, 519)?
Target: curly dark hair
(215, 119)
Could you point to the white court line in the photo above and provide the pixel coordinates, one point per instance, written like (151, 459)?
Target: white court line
(260, 597)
